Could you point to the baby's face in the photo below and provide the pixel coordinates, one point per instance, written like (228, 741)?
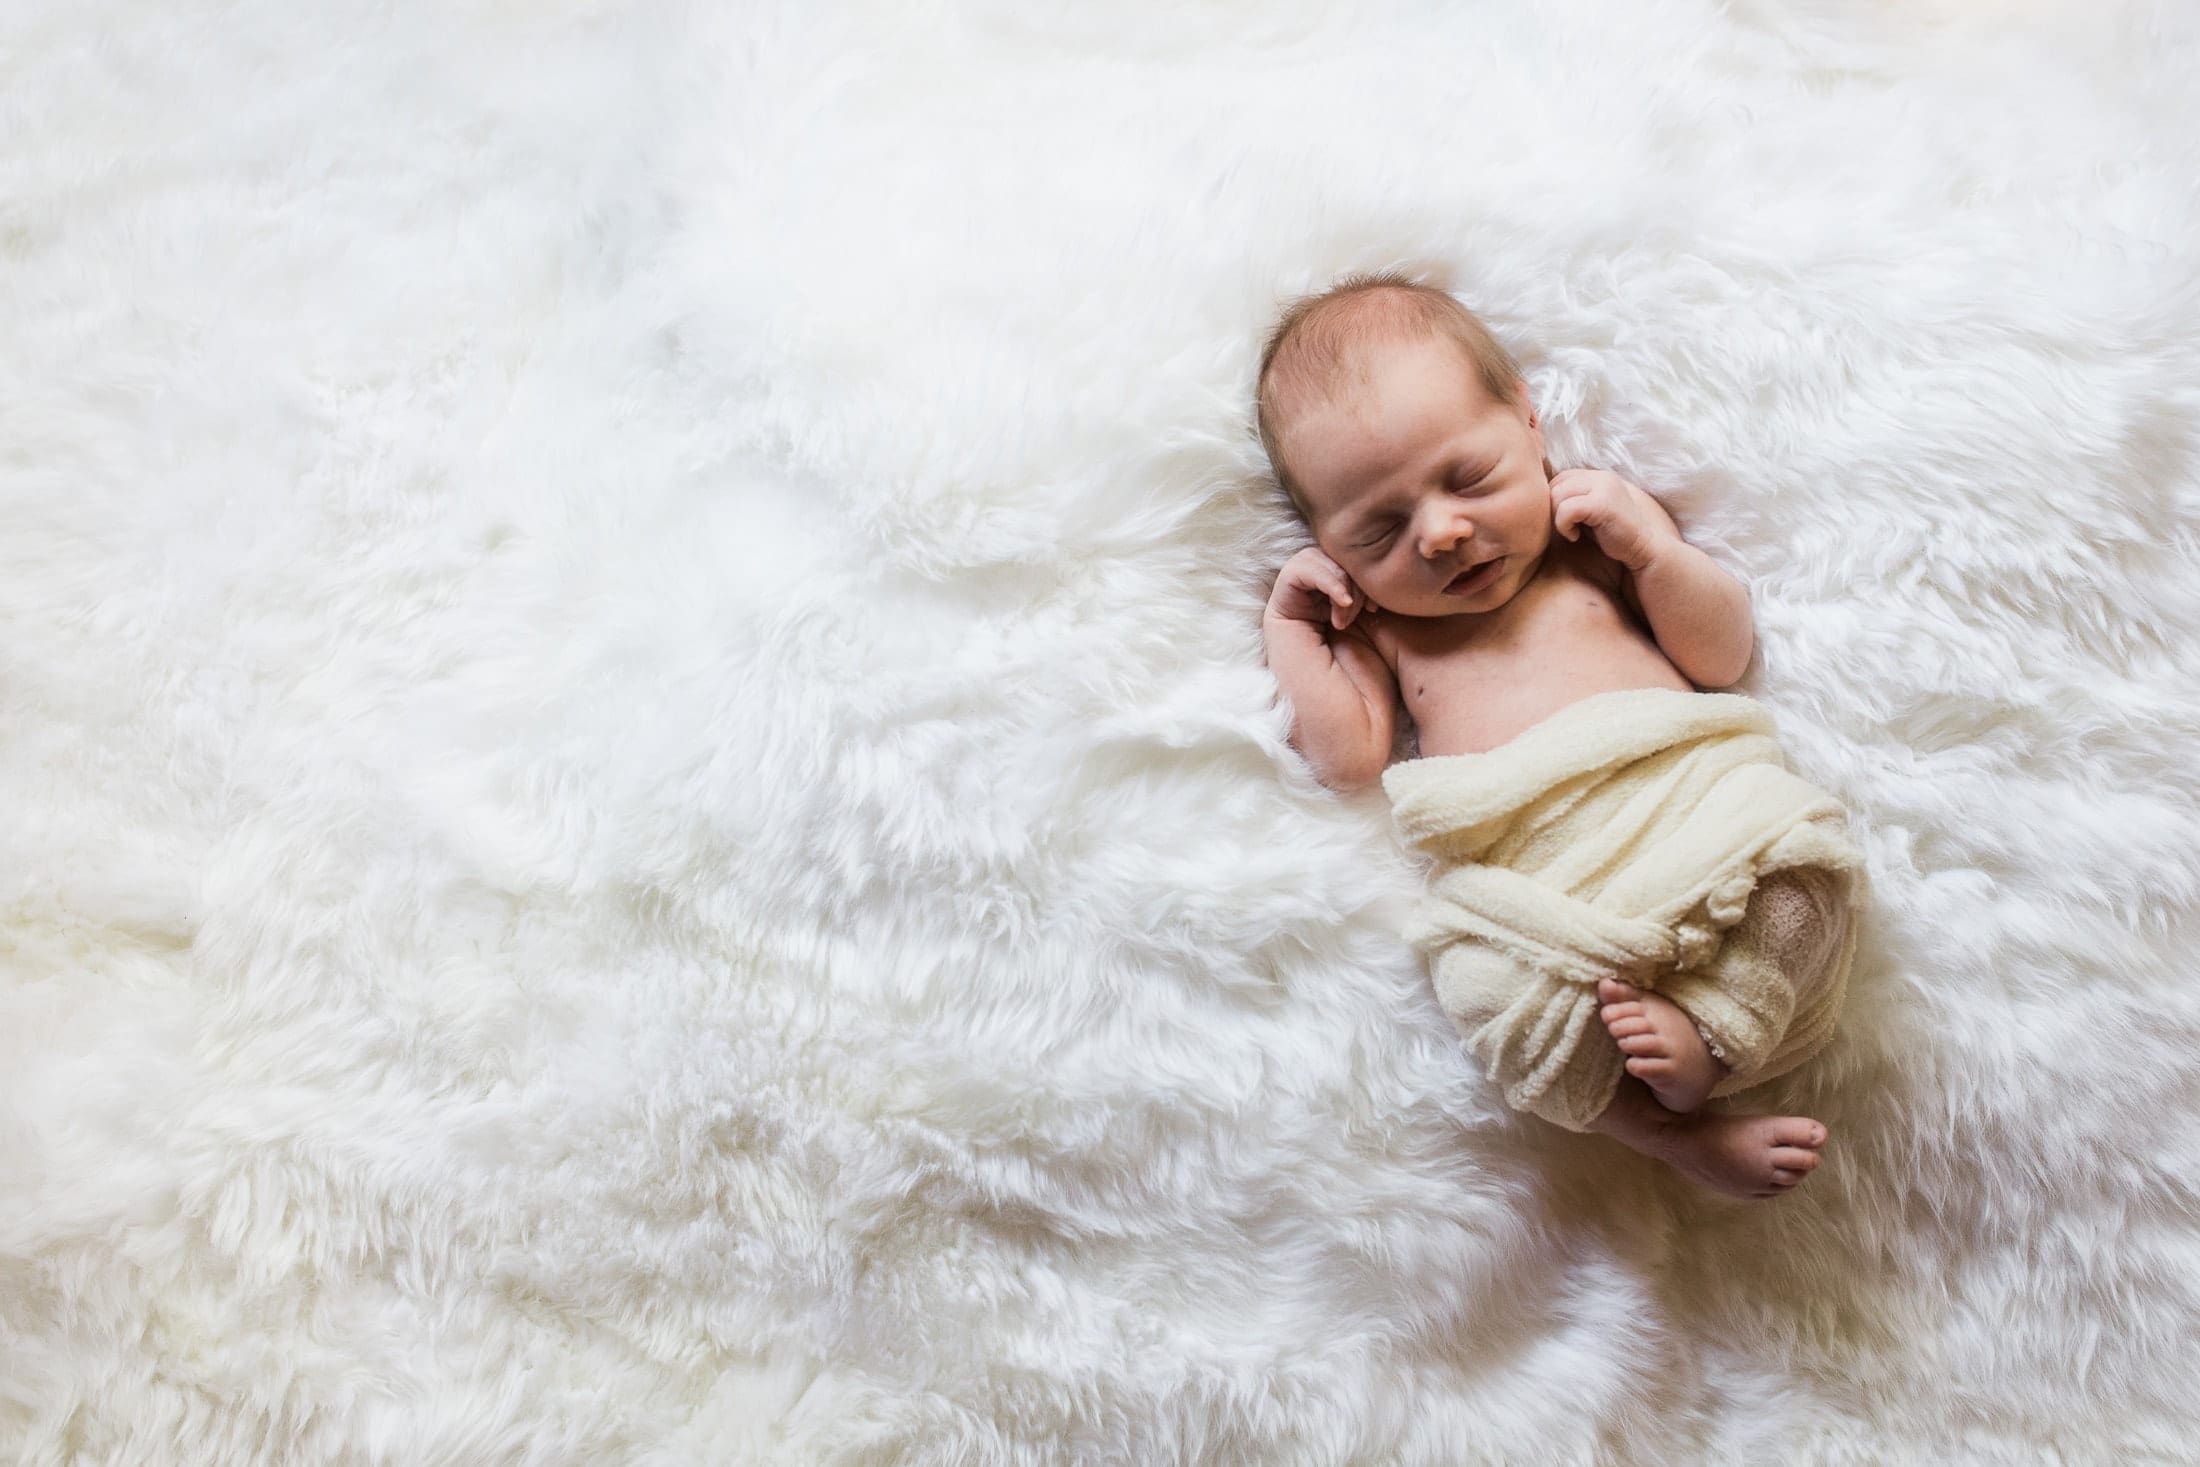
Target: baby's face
(1423, 477)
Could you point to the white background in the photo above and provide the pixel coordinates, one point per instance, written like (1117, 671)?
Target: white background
(641, 819)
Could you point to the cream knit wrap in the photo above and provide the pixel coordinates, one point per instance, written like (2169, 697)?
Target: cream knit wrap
(1625, 834)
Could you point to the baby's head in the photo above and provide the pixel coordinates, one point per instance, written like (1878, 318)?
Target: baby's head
(1402, 430)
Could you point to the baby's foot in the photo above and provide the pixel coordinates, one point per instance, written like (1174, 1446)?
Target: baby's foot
(1742, 1156)
(1664, 1050)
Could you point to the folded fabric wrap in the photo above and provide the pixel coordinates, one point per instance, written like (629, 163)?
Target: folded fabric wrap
(1626, 834)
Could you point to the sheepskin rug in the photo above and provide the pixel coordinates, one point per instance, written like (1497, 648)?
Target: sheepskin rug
(643, 820)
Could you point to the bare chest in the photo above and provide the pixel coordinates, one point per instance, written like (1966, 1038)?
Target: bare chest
(1475, 681)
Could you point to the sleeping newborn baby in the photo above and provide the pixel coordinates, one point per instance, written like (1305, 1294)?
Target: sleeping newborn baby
(1636, 906)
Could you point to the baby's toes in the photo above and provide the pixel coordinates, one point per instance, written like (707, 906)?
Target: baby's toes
(1649, 1067)
(1645, 1044)
(1615, 990)
(1799, 1132)
(1618, 1013)
(1794, 1158)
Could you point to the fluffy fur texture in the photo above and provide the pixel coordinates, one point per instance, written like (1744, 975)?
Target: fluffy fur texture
(1624, 834)
(644, 823)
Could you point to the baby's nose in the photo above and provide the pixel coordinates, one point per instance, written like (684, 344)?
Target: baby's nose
(1444, 537)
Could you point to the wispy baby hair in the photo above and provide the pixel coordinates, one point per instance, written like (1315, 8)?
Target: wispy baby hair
(1319, 346)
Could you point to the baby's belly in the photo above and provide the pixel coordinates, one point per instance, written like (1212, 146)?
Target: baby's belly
(1467, 705)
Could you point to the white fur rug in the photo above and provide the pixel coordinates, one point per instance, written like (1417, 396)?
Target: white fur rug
(643, 821)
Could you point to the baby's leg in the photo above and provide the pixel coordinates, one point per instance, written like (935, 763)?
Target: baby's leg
(1742, 1156)
(1699, 1028)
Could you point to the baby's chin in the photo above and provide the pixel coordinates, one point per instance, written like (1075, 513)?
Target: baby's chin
(1437, 606)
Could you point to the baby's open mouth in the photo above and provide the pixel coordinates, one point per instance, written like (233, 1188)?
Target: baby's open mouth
(1474, 578)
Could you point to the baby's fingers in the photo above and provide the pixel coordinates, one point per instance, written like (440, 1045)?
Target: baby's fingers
(1344, 603)
(1312, 584)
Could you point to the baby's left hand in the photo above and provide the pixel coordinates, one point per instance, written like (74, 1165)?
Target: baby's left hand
(1626, 529)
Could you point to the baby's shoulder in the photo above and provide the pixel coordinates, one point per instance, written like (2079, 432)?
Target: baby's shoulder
(1379, 630)
(1584, 562)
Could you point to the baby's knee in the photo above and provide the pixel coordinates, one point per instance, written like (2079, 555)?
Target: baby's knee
(1798, 918)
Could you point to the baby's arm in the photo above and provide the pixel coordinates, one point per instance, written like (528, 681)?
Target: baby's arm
(1699, 613)
(1342, 695)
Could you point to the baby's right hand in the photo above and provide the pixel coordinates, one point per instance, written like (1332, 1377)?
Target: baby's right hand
(1311, 587)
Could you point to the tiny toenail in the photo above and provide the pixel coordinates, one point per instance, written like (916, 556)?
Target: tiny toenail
(1817, 1134)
